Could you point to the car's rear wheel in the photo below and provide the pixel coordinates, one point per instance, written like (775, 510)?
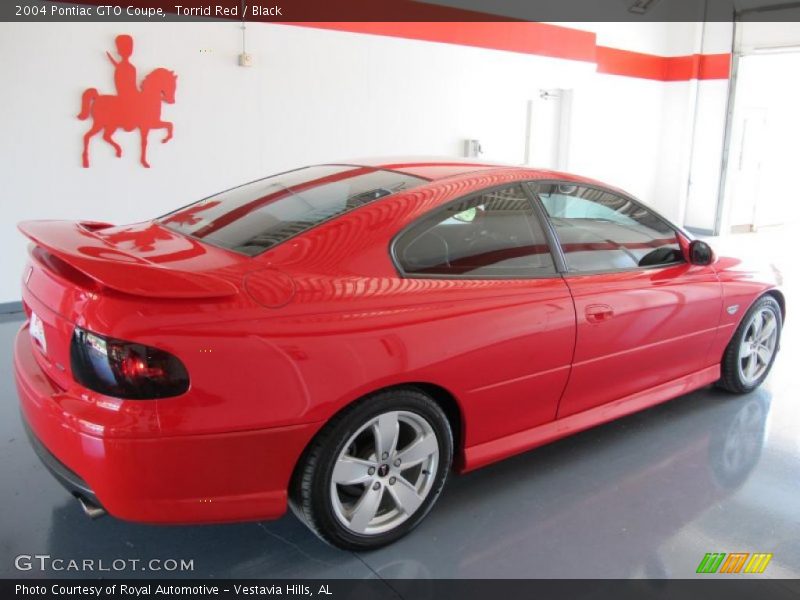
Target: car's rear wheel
(374, 472)
(749, 356)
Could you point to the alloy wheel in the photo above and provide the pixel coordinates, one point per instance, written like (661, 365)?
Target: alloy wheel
(758, 345)
(384, 472)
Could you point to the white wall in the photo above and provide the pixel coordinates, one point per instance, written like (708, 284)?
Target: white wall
(313, 95)
(756, 188)
(706, 152)
(649, 37)
(755, 192)
(755, 35)
(616, 133)
(707, 132)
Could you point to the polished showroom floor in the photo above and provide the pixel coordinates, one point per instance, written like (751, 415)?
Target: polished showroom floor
(646, 496)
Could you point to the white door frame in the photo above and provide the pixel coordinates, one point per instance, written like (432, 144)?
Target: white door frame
(562, 129)
(737, 52)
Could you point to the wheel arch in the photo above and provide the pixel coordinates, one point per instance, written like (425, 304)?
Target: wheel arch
(729, 380)
(443, 397)
(452, 410)
(779, 298)
(773, 293)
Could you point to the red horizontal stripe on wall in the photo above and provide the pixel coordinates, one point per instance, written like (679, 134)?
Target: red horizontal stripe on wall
(633, 64)
(613, 61)
(543, 39)
(524, 37)
(706, 66)
(503, 33)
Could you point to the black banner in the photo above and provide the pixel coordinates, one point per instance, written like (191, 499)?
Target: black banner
(377, 589)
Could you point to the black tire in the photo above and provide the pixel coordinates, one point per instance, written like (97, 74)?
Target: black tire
(731, 378)
(310, 491)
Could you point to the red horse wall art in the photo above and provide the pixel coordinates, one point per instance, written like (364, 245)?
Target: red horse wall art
(133, 107)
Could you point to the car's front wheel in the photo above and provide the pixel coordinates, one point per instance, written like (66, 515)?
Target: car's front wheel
(751, 352)
(373, 473)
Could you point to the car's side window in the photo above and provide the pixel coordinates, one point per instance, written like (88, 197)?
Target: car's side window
(490, 235)
(602, 231)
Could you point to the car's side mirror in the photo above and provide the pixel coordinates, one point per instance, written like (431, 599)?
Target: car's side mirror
(700, 253)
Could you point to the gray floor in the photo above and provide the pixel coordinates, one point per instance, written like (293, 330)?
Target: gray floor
(648, 495)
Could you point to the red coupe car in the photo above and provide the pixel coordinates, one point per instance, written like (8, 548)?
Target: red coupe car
(338, 337)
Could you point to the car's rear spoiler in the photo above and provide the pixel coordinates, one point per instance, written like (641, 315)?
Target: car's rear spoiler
(77, 245)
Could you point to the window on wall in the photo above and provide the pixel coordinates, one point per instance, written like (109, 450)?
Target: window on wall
(602, 231)
(494, 234)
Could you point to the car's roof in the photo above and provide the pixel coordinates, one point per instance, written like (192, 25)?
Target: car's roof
(427, 167)
(440, 167)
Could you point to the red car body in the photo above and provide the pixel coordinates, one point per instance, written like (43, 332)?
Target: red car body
(277, 344)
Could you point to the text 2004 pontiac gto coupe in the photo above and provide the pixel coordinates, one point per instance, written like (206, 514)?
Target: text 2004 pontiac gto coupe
(338, 337)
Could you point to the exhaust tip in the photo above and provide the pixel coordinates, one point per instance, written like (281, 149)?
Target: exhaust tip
(90, 509)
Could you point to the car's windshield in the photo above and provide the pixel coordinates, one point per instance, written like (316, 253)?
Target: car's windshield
(261, 214)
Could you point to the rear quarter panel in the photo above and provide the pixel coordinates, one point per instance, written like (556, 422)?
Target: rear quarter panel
(354, 325)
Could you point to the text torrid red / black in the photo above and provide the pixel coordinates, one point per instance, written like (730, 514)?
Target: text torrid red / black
(228, 11)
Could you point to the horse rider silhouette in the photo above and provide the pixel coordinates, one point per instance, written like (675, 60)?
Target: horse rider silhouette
(131, 108)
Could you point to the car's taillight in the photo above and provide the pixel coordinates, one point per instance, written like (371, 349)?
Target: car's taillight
(125, 369)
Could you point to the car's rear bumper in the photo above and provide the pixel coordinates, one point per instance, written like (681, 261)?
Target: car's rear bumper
(202, 478)
(65, 476)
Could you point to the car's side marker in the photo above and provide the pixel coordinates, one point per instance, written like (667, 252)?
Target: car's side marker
(733, 309)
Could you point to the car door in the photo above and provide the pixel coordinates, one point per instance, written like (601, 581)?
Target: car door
(505, 346)
(644, 315)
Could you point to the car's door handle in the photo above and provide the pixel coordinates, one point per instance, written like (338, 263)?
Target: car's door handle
(597, 313)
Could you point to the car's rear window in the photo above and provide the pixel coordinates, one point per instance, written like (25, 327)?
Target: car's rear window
(259, 215)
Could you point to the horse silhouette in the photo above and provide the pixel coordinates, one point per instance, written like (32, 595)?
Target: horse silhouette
(142, 112)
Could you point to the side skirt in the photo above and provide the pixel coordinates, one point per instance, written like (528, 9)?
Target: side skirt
(489, 452)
